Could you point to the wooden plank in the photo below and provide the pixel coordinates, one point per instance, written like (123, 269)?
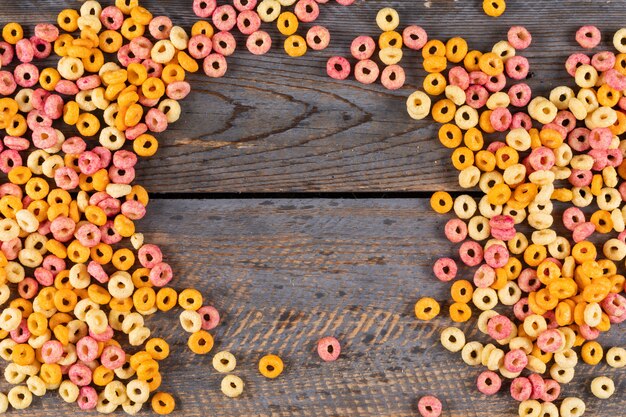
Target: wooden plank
(286, 272)
(278, 124)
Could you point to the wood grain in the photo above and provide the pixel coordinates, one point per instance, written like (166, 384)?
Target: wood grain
(284, 273)
(275, 123)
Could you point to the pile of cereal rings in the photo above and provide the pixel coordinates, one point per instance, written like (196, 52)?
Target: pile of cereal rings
(531, 157)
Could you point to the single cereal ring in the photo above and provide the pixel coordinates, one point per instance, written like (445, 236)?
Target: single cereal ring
(338, 67)
(328, 348)
(318, 38)
(588, 37)
(429, 406)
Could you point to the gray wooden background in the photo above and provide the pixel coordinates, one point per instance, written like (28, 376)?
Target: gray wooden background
(287, 270)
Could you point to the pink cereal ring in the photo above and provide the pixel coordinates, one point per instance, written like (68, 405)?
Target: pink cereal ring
(89, 82)
(521, 119)
(248, 22)
(318, 38)
(224, 43)
(47, 32)
(200, 46)
(121, 176)
(552, 390)
(160, 27)
(16, 144)
(178, 90)
(53, 106)
(26, 75)
(582, 231)
(499, 327)
(500, 119)
(520, 94)
(214, 65)
(224, 17)
(565, 119)
(88, 235)
(140, 47)
(484, 276)
(338, 67)
(574, 61)
(538, 385)
(429, 406)
(515, 360)
(9, 159)
(307, 10)
(458, 76)
(80, 374)
(414, 37)
(615, 79)
(21, 334)
(87, 398)
(528, 281)
(210, 317)
(113, 357)
(134, 210)
(134, 132)
(243, 5)
(366, 71)
(362, 47)
(471, 253)
(603, 61)
(204, 8)
(517, 67)
(578, 139)
(44, 137)
(156, 120)
(52, 351)
(41, 48)
(104, 154)
(445, 269)
(66, 178)
(542, 158)
(521, 389)
(6, 53)
(456, 230)
(488, 383)
(600, 138)
(476, 96)
(328, 348)
(259, 42)
(149, 255)
(503, 234)
(519, 37)
(161, 274)
(97, 272)
(393, 77)
(7, 83)
(588, 37)
(112, 18)
(478, 78)
(104, 336)
(496, 83)
(66, 87)
(502, 222)
(87, 349)
(124, 159)
(24, 50)
(28, 288)
(126, 56)
(496, 256)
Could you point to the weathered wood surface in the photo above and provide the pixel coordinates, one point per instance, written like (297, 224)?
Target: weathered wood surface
(275, 123)
(286, 272)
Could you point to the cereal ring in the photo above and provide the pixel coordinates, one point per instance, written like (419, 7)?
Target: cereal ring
(519, 37)
(204, 8)
(392, 77)
(429, 406)
(488, 383)
(362, 47)
(318, 38)
(328, 348)
(338, 67)
(588, 37)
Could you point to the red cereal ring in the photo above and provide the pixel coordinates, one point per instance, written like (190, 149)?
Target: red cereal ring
(362, 47)
(87, 398)
(112, 18)
(552, 390)
(574, 61)
(224, 17)
(46, 31)
(366, 71)
(210, 317)
(161, 274)
(80, 374)
(24, 50)
(248, 22)
(550, 341)
(566, 119)
(149, 255)
(496, 256)
(26, 75)
(89, 162)
(243, 5)
(126, 57)
(456, 230)
(582, 231)
(429, 406)
(478, 78)
(578, 139)
(204, 8)
(160, 27)
(328, 348)
(87, 349)
(414, 37)
(41, 48)
(306, 10)
(603, 61)
(496, 83)
(66, 178)
(338, 67)
(224, 43)
(521, 389)
(121, 176)
(520, 95)
(517, 67)
(6, 53)
(541, 158)
(200, 46)
(588, 36)
(132, 209)
(445, 269)
(7, 83)
(392, 77)
(259, 42)
(459, 76)
(488, 383)
(499, 327)
(318, 38)
(471, 253)
(519, 37)
(88, 82)
(28, 289)
(66, 87)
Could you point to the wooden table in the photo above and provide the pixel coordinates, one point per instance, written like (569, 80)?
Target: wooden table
(245, 209)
